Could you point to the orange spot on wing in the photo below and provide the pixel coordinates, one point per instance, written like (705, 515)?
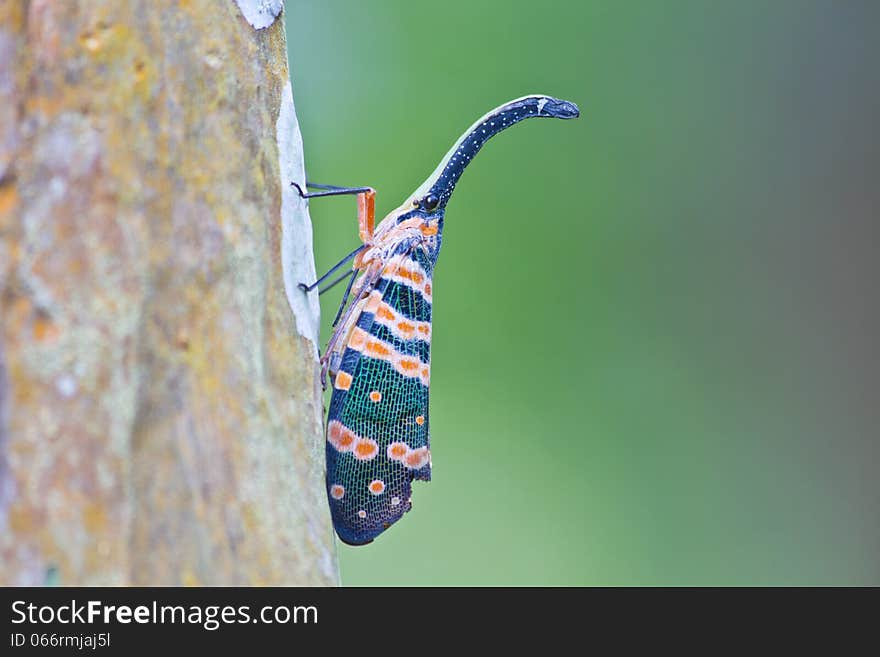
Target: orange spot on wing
(346, 440)
(406, 328)
(424, 329)
(337, 491)
(428, 288)
(375, 396)
(385, 312)
(340, 436)
(428, 229)
(365, 449)
(417, 458)
(410, 275)
(420, 419)
(409, 364)
(343, 381)
(358, 339)
(362, 514)
(377, 487)
(396, 451)
(373, 302)
(377, 349)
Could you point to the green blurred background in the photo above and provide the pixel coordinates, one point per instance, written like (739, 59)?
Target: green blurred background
(655, 328)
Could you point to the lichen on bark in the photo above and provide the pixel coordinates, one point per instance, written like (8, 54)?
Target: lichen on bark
(160, 411)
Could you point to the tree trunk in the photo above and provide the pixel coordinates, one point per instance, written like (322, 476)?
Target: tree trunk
(160, 410)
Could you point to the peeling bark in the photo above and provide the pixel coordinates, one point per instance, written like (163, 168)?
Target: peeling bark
(160, 410)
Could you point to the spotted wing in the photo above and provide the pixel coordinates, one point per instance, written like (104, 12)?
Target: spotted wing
(377, 428)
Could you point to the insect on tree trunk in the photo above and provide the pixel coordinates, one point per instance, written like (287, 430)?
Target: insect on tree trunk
(160, 409)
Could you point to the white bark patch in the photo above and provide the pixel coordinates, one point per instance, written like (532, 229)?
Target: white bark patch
(260, 13)
(297, 256)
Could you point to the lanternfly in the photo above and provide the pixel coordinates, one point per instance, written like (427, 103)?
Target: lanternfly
(379, 354)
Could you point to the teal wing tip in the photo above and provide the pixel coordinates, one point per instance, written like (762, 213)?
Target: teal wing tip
(354, 542)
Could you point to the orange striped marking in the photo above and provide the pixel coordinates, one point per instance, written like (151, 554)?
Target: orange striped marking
(402, 270)
(401, 326)
(375, 348)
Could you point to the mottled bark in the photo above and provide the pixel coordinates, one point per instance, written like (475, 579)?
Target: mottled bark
(160, 412)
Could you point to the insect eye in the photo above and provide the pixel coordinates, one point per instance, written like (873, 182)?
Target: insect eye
(430, 202)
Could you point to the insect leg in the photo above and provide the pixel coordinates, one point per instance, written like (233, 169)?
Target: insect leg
(337, 281)
(366, 215)
(366, 199)
(344, 299)
(364, 283)
(320, 186)
(309, 288)
(330, 190)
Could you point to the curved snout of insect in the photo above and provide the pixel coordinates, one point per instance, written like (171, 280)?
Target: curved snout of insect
(561, 109)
